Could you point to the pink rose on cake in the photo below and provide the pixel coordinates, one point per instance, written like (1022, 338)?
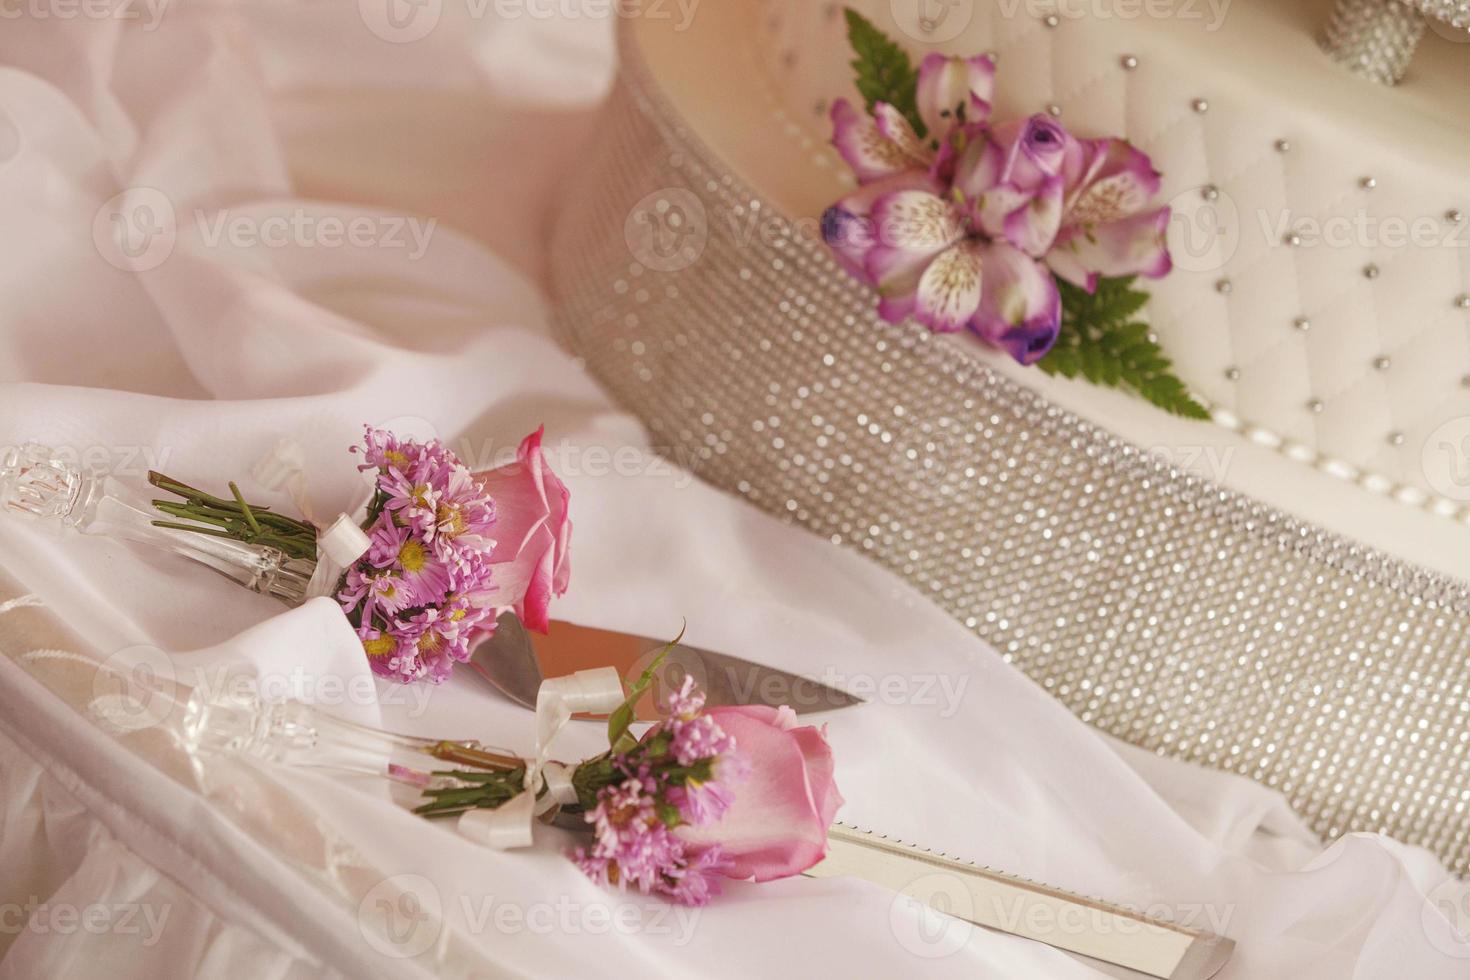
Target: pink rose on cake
(965, 229)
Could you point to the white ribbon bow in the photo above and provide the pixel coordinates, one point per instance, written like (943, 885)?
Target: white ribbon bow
(337, 546)
(598, 691)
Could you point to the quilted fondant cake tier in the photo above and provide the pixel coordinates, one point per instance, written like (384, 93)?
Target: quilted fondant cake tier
(1320, 298)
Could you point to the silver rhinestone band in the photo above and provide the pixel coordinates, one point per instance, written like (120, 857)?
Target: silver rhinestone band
(1160, 608)
(1374, 38)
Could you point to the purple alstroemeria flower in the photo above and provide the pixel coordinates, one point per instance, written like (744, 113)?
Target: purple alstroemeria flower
(952, 93)
(1106, 226)
(963, 252)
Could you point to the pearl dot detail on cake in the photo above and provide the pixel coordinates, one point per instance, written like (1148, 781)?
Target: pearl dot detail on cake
(1224, 286)
(1200, 105)
(1302, 323)
(1282, 146)
(1368, 183)
(1232, 373)
(1382, 362)
(1315, 406)
(1370, 271)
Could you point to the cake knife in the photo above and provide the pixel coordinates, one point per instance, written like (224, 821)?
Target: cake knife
(1114, 940)
(516, 661)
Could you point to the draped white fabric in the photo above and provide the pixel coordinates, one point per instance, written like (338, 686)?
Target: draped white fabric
(253, 140)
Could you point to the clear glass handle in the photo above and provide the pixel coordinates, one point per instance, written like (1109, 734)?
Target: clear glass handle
(294, 733)
(36, 482)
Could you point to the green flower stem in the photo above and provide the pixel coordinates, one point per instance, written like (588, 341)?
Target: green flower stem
(244, 507)
(490, 791)
(204, 513)
(478, 758)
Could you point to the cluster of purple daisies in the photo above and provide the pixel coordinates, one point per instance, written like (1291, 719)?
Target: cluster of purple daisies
(678, 774)
(412, 597)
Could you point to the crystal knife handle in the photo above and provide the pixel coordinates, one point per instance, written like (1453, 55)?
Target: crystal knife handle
(1085, 927)
(36, 482)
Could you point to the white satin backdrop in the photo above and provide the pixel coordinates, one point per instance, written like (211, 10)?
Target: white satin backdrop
(298, 111)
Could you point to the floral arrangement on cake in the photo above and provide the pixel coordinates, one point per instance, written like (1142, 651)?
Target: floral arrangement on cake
(437, 555)
(1018, 231)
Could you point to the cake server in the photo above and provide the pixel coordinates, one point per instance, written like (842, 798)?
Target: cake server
(516, 660)
(1111, 939)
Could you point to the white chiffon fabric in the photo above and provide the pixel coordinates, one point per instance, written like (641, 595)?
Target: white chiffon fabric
(198, 365)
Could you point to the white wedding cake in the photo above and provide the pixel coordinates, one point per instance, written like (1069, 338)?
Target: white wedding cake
(1319, 303)
(1275, 591)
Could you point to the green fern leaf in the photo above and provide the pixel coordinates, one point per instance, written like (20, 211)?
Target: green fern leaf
(884, 71)
(1101, 341)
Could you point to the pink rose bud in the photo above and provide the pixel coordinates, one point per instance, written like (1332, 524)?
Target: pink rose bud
(777, 825)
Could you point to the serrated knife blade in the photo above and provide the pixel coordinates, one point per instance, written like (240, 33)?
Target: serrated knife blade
(1105, 935)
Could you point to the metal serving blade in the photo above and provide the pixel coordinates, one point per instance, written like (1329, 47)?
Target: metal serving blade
(516, 660)
(1112, 939)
